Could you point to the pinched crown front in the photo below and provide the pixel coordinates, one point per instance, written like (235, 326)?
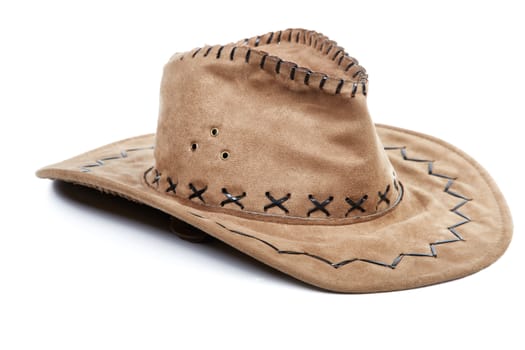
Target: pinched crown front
(274, 127)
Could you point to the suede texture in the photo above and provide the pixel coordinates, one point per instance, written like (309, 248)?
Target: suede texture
(282, 136)
(431, 214)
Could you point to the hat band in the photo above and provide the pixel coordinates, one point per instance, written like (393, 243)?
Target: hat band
(318, 211)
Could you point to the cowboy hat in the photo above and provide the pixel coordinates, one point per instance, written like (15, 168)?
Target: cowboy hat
(267, 145)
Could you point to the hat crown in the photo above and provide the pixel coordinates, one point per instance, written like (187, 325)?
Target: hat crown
(254, 128)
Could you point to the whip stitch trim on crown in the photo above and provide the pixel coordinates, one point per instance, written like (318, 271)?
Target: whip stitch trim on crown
(349, 66)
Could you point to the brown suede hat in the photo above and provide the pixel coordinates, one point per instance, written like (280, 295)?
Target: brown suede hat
(267, 145)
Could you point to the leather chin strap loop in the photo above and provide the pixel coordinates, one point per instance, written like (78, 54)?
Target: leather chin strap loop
(187, 232)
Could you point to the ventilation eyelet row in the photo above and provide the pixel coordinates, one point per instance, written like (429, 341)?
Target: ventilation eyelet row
(214, 132)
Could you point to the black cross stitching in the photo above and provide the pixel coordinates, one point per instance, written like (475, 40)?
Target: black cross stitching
(383, 196)
(197, 193)
(356, 205)
(319, 206)
(232, 199)
(157, 177)
(277, 202)
(173, 186)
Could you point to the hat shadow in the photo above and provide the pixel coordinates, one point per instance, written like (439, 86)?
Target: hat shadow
(133, 213)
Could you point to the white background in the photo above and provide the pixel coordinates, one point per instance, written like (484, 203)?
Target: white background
(80, 270)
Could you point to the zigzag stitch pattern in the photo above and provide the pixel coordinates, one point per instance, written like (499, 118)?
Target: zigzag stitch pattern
(100, 162)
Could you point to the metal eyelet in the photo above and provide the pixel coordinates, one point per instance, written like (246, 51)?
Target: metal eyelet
(225, 155)
(214, 132)
(194, 146)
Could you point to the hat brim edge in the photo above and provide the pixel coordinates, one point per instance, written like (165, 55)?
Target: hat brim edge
(132, 187)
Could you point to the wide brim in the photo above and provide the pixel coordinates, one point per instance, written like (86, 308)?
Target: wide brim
(461, 225)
